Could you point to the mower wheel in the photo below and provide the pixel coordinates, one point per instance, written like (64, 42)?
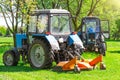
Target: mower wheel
(9, 58)
(77, 69)
(39, 54)
(102, 66)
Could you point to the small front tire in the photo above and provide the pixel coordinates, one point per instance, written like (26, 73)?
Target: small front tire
(9, 58)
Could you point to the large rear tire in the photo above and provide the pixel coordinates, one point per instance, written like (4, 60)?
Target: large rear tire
(9, 58)
(39, 54)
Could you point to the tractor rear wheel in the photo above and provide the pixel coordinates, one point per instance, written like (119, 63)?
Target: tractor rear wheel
(39, 54)
(9, 58)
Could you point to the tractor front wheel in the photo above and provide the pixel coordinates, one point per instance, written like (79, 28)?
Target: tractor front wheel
(9, 58)
(39, 54)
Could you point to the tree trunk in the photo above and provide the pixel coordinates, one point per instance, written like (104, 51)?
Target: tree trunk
(14, 39)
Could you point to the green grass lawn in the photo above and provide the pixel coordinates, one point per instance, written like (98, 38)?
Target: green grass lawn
(25, 72)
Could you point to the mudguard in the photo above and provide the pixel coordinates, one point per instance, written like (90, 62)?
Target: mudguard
(74, 39)
(51, 39)
(53, 42)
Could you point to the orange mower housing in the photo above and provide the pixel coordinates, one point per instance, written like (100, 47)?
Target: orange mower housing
(82, 64)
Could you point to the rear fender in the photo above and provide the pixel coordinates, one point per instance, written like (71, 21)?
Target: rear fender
(51, 40)
(74, 39)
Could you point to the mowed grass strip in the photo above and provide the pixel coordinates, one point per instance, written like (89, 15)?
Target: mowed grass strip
(25, 72)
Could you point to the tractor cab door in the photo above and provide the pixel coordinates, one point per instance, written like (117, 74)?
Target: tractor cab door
(37, 24)
(105, 28)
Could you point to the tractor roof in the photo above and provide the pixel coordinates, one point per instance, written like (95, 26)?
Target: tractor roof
(50, 11)
(90, 17)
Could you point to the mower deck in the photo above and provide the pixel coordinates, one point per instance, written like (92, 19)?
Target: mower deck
(81, 64)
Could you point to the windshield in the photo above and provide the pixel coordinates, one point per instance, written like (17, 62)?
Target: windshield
(91, 26)
(60, 24)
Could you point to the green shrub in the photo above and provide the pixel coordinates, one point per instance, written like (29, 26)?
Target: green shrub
(8, 33)
(3, 30)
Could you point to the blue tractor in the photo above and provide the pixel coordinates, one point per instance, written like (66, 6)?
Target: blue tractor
(93, 33)
(48, 38)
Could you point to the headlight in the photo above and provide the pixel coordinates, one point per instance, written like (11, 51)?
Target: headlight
(61, 40)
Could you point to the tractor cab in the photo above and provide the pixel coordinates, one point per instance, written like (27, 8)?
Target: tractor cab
(50, 21)
(93, 34)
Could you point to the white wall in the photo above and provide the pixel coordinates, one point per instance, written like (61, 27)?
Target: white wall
(2, 21)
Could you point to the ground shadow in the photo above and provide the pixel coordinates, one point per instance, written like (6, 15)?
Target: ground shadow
(27, 69)
(118, 52)
(4, 46)
(5, 42)
(16, 69)
(113, 40)
(60, 71)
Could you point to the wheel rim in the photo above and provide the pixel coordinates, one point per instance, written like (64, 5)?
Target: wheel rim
(37, 55)
(9, 59)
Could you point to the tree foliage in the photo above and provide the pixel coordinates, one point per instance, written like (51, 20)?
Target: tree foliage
(77, 8)
(2, 30)
(110, 10)
(16, 12)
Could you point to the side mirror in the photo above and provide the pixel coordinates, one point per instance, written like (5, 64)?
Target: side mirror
(105, 28)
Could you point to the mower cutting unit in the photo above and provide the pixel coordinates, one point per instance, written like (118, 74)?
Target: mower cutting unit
(83, 64)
